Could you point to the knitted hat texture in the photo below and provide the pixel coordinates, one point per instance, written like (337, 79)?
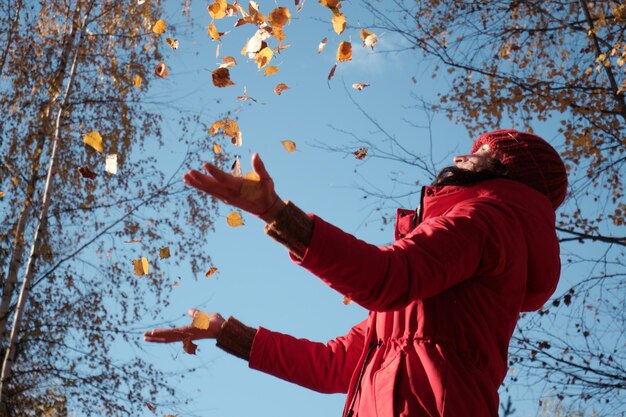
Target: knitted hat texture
(530, 160)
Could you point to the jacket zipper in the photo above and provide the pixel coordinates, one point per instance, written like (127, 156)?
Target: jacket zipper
(373, 345)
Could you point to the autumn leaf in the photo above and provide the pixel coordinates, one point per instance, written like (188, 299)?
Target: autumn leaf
(137, 80)
(280, 88)
(270, 69)
(360, 86)
(344, 52)
(216, 126)
(331, 3)
(1, 194)
(231, 128)
(331, 74)
(217, 9)
(189, 346)
(94, 140)
(252, 176)
(159, 27)
(339, 22)
(221, 77)
(141, 266)
(322, 45)
(235, 168)
(228, 61)
(161, 70)
(279, 17)
(85, 173)
(234, 219)
(200, 320)
(256, 42)
(213, 33)
(164, 252)
(369, 38)
(360, 153)
(289, 145)
(173, 43)
(251, 187)
(111, 164)
(245, 96)
(263, 57)
(150, 407)
(346, 300)
(217, 148)
(212, 270)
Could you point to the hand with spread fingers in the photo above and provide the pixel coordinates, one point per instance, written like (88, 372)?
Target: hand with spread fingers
(177, 334)
(254, 195)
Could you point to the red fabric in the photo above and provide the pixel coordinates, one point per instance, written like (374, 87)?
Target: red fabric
(443, 300)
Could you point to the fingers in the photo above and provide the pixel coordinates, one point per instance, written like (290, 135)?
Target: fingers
(259, 167)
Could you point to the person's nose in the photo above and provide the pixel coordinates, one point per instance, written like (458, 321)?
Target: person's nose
(459, 159)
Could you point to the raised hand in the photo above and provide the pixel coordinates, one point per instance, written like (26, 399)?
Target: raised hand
(256, 196)
(177, 334)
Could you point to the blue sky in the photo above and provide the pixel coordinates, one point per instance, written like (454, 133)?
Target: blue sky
(256, 282)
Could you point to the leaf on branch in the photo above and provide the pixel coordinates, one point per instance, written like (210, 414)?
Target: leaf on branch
(159, 27)
(280, 88)
(344, 52)
(141, 266)
(164, 252)
(360, 153)
(289, 145)
(212, 270)
(200, 320)
(111, 164)
(189, 346)
(221, 78)
(94, 140)
(173, 43)
(161, 70)
(85, 172)
(234, 219)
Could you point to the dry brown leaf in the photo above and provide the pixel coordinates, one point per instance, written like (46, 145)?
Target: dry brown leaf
(140, 266)
(173, 43)
(150, 407)
(234, 219)
(339, 23)
(216, 126)
(221, 77)
(161, 70)
(280, 88)
(231, 128)
(289, 145)
(228, 61)
(279, 17)
(212, 270)
(360, 153)
(87, 173)
(331, 74)
(360, 86)
(270, 69)
(344, 52)
(164, 252)
(217, 9)
(136, 240)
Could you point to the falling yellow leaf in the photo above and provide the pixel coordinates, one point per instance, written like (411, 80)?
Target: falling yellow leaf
(221, 78)
(369, 38)
(360, 86)
(263, 57)
(234, 219)
(331, 3)
(339, 22)
(344, 52)
(161, 70)
(216, 126)
(212, 270)
(137, 80)
(200, 320)
(271, 69)
(164, 252)
(173, 43)
(217, 9)
(94, 140)
(279, 17)
(322, 45)
(280, 88)
(141, 266)
(231, 128)
(217, 148)
(289, 145)
(159, 27)
(213, 33)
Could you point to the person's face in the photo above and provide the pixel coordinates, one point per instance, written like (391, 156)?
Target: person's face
(477, 161)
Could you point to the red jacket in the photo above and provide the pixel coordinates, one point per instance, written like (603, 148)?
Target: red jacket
(444, 299)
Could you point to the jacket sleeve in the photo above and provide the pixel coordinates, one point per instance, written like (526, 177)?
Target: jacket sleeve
(325, 368)
(440, 253)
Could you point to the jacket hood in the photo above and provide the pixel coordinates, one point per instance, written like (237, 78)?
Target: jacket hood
(534, 212)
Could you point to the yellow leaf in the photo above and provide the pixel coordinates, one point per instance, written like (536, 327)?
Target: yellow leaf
(279, 17)
(173, 43)
(216, 126)
(369, 38)
(234, 219)
(200, 320)
(164, 252)
(280, 88)
(252, 176)
(331, 4)
(271, 69)
(289, 145)
(94, 140)
(137, 80)
(344, 52)
(159, 27)
(264, 57)
(213, 33)
(141, 266)
(221, 78)
(217, 10)
(161, 70)
(339, 23)
(217, 148)
(231, 128)
(228, 61)
(212, 270)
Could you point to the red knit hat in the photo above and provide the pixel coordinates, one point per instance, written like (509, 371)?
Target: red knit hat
(530, 160)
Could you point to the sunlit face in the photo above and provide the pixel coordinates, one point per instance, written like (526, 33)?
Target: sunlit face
(477, 161)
